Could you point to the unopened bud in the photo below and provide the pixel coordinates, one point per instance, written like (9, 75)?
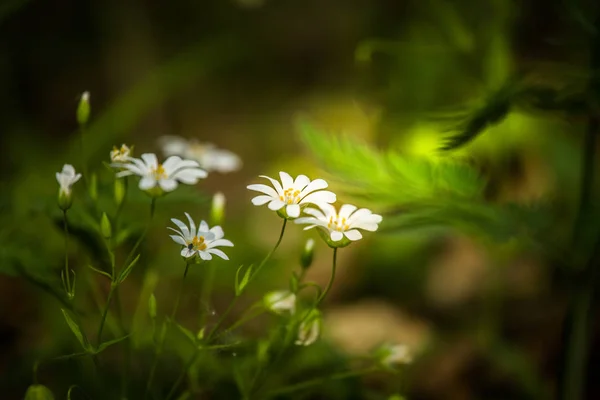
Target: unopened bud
(308, 254)
(38, 392)
(152, 306)
(65, 200)
(217, 210)
(83, 109)
(93, 189)
(105, 227)
(119, 190)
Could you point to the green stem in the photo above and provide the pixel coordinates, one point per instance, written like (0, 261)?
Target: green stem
(163, 333)
(113, 286)
(67, 272)
(318, 381)
(268, 257)
(330, 284)
(207, 287)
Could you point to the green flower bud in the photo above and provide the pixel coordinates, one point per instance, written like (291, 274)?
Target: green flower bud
(217, 210)
(152, 306)
(65, 200)
(93, 189)
(119, 191)
(105, 227)
(38, 392)
(83, 109)
(308, 253)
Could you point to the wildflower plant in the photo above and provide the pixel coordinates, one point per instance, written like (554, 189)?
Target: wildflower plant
(201, 243)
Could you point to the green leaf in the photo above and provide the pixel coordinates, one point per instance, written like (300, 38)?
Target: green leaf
(188, 334)
(125, 273)
(240, 286)
(106, 344)
(38, 392)
(103, 273)
(75, 329)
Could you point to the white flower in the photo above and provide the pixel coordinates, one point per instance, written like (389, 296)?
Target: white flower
(67, 178)
(208, 155)
(120, 155)
(292, 194)
(310, 329)
(201, 242)
(281, 301)
(165, 175)
(394, 355)
(342, 227)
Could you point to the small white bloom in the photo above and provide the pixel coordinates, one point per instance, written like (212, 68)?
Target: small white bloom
(201, 242)
(67, 178)
(281, 301)
(394, 355)
(310, 329)
(208, 155)
(165, 175)
(342, 227)
(120, 155)
(292, 194)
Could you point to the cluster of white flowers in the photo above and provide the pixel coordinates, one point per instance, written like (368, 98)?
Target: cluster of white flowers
(291, 197)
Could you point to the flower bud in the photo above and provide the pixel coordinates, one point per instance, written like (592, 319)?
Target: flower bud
(83, 109)
(280, 302)
(65, 200)
(310, 328)
(152, 306)
(93, 189)
(105, 226)
(38, 392)
(217, 210)
(308, 253)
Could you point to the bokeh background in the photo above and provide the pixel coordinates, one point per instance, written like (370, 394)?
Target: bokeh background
(487, 317)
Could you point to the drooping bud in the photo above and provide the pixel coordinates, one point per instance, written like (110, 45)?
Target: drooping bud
(83, 109)
(66, 178)
(217, 210)
(308, 253)
(280, 302)
(105, 226)
(310, 328)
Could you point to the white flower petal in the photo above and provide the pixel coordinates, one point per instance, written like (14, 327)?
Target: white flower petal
(264, 189)
(183, 227)
(322, 196)
(189, 176)
(191, 221)
(346, 210)
(171, 164)
(286, 180)
(315, 213)
(276, 205)
(275, 184)
(168, 185)
(150, 160)
(185, 252)
(219, 253)
(147, 183)
(217, 231)
(306, 220)
(261, 200)
(353, 235)
(336, 236)
(366, 226)
(178, 240)
(293, 210)
(300, 182)
(219, 242)
(205, 255)
(317, 184)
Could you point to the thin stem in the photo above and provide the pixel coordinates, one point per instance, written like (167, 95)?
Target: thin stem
(318, 381)
(113, 286)
(163, 333)
(330, 284)
(67, 272)
(207, 287)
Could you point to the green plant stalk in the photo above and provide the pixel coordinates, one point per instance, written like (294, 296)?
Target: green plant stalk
(67, 272)
(318, 381)
(163, 333)
(207, 287)
(330, 284)
(111, 291)
(235, 299)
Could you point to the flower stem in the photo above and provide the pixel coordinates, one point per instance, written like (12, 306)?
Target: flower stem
(67, 272)
(317, 381)
(330, 284)
(113, 286)
(163, 333)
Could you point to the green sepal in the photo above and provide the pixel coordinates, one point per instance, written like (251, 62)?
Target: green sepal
(76, 330)
(125, 273)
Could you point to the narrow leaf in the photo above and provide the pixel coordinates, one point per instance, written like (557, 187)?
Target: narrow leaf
(103, 273)
(106, 344)
(239, 287)
(126, 271)
(75, 329)
(186, 332)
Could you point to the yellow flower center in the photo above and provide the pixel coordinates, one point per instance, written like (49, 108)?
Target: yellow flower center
(198, 243)
(159, 172)
(338, 224)
(290, 196)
